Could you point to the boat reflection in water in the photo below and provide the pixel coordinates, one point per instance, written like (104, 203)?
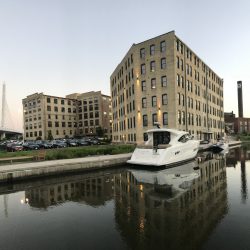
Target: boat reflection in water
(170, 181)
(171, 209)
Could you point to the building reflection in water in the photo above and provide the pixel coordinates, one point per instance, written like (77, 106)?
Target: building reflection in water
(241, 155)
(175, 208)
(93, 190)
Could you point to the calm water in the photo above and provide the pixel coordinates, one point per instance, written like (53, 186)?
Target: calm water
(194, 206)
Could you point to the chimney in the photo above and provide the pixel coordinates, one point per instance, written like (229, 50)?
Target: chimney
(240, 98)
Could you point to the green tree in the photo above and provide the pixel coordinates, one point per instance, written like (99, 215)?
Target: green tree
(99, 132)
(50, 136)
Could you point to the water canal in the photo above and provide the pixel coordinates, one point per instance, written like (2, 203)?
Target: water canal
(188, 207)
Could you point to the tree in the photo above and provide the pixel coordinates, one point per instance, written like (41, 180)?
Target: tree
(50, 136)
(99, 132)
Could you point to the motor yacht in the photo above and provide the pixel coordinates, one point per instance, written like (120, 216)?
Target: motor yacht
(165, 147)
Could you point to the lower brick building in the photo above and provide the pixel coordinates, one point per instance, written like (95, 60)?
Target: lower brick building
(76, 114)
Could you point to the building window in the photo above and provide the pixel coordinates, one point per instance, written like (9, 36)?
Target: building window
(145, 120)
(154, 101)
(48, 108)
(178, 79)
(165, 118)
(56, 109)
(144, 102)
(154, 118)
(143, 85)
(62, 102)
(152, 66)
(143, 69)
(163, 46)
(164, 81)
(164, 99)
(55, 101)
(152, 49)
(182, 100)
(49, 124)
(163, 63)
(142, 53)
(183, 117)
(48, 100)
(153, 83)
(179, 117)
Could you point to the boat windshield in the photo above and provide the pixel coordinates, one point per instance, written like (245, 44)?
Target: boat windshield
(161, 138)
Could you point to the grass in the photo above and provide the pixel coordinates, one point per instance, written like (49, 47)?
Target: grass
(74, 152)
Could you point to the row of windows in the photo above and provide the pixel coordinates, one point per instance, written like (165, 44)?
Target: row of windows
(154, 83)
(190, 103)
(164, 101)
(163, 65)
(153, 49)
(36, 133)
(31, 126)
(74, 124)
(122, 124)
(131, 137)
(155, 119)
(63, 101)
(212, 123)
(121, 111)
(62, 109)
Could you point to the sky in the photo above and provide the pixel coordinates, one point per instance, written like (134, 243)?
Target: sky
(60, 47)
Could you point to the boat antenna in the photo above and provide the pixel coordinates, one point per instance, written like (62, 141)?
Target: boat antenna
(157, 124)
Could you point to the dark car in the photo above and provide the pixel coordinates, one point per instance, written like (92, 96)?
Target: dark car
(71, 143)
(83, 142)
(13, 147)
(45, 145)
(30, 146)
(59, 144)
(94, 141)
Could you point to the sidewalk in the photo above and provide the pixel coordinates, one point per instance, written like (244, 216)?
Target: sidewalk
(11, 172)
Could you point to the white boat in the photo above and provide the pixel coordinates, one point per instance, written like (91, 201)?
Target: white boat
(165, 147)
(221, 145)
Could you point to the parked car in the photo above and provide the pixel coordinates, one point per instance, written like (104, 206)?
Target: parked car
(45, 145)
(13, 147)
(72, 143)
(83, 142)
(94, 141)
(59, 144)
(30, 146)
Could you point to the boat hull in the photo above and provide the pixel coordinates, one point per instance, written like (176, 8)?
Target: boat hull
(164, 157)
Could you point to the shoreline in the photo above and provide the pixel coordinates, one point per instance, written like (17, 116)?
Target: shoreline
(11, 172)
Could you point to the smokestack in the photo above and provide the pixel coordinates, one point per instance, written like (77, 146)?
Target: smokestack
(240, 98)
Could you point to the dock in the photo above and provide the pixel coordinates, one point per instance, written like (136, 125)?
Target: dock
(11, 172)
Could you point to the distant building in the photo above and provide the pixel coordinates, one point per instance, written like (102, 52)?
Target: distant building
(236, 125)
(229, 118)
(239, 124)
(74, 115)
(163, 80)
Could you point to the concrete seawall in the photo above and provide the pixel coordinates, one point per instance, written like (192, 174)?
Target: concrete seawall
(39, 169)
